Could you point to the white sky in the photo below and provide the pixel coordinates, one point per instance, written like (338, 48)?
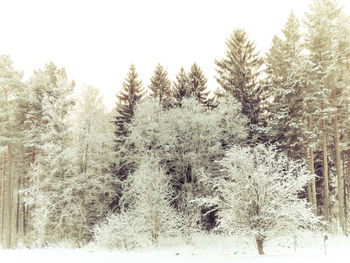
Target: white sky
(97, 40)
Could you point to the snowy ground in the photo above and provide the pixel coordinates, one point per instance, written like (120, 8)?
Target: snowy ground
(203, 249)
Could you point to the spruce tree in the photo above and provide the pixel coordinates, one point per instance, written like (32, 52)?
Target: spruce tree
(340, 100)
(288, 76)
(11, 90)
(198, 84)
(181, 87)
(321, 23)
(160, 86)
(237, 74)
(287, 90)
(128, 97)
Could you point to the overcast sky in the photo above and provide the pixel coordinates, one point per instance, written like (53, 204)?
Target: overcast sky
(97, 41)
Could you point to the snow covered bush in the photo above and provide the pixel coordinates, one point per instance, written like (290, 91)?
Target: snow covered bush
(121, 231)
(257, 194)
(146, 213)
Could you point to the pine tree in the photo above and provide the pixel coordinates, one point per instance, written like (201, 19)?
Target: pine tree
(160, 86)
(321, 25)
(237, 74)
(343, 107)
(198, 84)
(128, 97)
(288, 76)
(181, 88)
(339, 99)
(11, 90)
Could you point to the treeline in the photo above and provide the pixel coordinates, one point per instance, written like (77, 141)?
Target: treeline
(66, 163)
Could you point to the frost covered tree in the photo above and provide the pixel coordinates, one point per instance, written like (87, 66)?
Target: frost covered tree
(160, 86)
(256, 194)
(287, 91)
(328, 53)
(50, 134)
(11, 93)
(289, 78)
(238, 75)
(91, 188)
(186, 140)
(340, 98)
(146, 213)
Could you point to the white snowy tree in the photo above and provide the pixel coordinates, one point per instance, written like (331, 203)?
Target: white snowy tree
(91, 188)
(146, 212)
(50, 95)
(256, 194)
(186, 140)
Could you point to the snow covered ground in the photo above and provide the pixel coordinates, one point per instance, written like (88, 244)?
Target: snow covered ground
(203, 249)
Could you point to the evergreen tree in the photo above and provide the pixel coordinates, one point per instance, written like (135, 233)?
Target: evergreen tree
(128, 97)
(11, 91)
(160, 86)
(340, 98)
(181, 88)
(198, 84)
(321, 24)
(343, 107)
(237, 74)
(288, 76)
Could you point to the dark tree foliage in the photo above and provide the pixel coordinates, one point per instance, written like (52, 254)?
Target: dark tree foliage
(198, 84)
(131, 93)
(160, 86)
(191, 84)
(181, 87)
(237, 74)
(128, 97)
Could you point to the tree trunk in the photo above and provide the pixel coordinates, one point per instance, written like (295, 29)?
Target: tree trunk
(339, 175)
(3, 179)
(8, 186)
(309, 187)
(313, 181)
(345, 189)
(339, 171)
(8, 200)
(18, 212)
(325, 172)
(312, 169)
(260, 245)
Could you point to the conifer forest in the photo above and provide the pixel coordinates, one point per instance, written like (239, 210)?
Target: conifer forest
(265, 153)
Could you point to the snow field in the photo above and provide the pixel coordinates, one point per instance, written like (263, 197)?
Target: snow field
(203, 248)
